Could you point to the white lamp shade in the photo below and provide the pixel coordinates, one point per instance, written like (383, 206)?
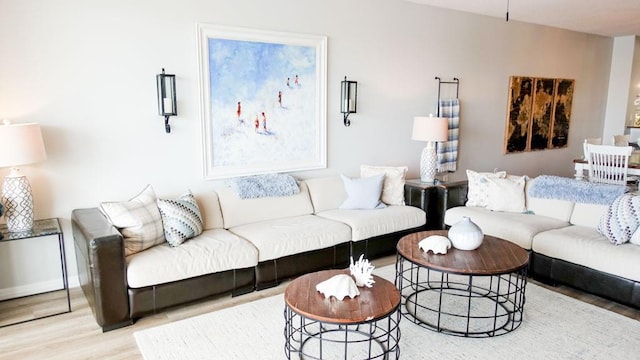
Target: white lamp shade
(427, 128)
(21, 144)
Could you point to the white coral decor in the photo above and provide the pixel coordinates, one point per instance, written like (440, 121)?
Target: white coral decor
(361, 271)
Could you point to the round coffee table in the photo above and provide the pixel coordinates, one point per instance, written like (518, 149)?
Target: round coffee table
(365, 327)
(476, 293)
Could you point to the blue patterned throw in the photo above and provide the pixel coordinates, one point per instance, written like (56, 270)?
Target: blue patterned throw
(562, 188)
(256, 186)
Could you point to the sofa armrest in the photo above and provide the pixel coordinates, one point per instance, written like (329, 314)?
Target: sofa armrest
(101, 267)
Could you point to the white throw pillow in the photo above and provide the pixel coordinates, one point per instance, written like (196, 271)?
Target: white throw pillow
(393, 185)
(138, 220)
(478, 193)
(507, 194)
(363, 193)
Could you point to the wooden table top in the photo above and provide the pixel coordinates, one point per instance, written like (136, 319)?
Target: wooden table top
(494, 257)
(373, 303)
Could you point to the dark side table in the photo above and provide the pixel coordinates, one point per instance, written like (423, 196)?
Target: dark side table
(435, 198)
(41, 228)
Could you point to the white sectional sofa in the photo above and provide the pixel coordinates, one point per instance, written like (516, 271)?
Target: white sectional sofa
(246, 244)
(565, 244)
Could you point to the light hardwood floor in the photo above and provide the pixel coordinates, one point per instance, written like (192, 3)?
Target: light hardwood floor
(77, 336)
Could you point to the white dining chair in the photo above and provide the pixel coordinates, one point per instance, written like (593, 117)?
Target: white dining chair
(608, 164)
(595, 141)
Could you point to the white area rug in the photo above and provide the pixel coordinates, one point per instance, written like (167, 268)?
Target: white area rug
(554, 327)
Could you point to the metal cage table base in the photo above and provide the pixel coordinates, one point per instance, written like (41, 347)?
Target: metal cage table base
(311, 339)
(461, 304)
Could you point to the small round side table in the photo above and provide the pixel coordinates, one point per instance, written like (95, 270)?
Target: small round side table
(365, 327)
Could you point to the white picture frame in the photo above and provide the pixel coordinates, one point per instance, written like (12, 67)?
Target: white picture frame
(263, 101)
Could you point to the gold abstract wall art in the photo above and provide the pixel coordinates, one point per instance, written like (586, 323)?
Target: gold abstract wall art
(539, 113)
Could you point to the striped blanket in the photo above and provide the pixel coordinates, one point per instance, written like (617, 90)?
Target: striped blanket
(448, 150)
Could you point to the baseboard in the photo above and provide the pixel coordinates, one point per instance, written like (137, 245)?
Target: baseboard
(35, 288)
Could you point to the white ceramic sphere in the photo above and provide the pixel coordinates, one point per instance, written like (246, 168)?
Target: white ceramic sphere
(465, 235)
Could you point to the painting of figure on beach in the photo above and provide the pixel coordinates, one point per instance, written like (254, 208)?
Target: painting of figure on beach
(264, 101)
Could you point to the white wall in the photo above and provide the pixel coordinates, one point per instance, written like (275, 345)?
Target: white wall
(634, 86)
(619, 87)
(85, 71)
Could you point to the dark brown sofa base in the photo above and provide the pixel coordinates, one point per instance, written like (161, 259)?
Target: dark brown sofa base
(152, 299)
(554, 271)
(379, 246)
(272, 272)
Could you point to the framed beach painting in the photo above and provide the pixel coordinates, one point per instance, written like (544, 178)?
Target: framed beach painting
(263, 101)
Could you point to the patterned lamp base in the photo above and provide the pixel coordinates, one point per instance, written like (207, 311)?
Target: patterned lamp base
(428, 163)
(18, 203)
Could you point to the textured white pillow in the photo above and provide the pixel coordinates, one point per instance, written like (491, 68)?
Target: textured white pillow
(478, 193)
(138, 220)
(393, 185)
(506, 194)
(363, 193)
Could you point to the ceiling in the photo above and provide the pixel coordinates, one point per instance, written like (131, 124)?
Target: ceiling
(601, 17)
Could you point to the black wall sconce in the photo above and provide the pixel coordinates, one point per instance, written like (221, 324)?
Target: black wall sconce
(166, 97)
(348, 99)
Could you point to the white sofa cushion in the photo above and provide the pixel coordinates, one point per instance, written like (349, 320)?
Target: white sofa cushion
(365, 224)
(587, 214)
(516, 227)
(326, 193)
(209, 209)
(293, 235)
(587, 247)
(557, 209)
(237, 211)
(212, 251)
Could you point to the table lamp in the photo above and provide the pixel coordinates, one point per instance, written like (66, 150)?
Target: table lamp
(21, 144)
(430, 129)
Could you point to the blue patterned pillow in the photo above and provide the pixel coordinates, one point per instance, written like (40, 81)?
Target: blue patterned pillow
(181, 218)
(622, 219)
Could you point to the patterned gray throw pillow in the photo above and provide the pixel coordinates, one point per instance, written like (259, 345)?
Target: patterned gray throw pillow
(181, 218)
